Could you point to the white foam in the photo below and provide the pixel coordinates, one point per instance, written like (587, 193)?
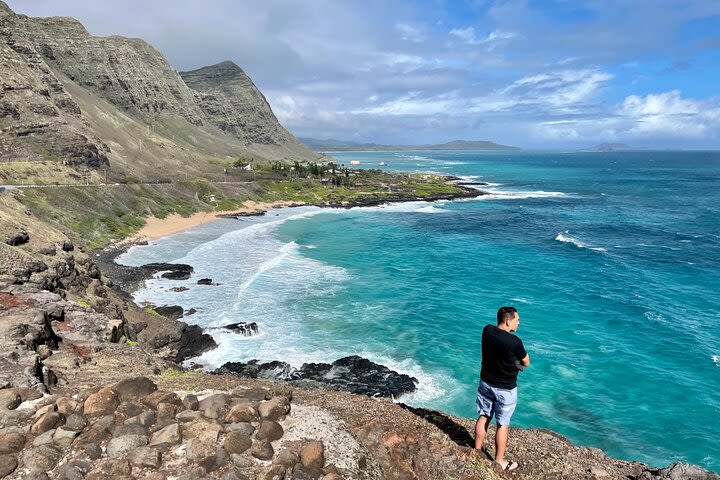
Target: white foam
(716, 360)
(285, 251)
(432, 209)
(498, 194)
(565, 238)
(521, 300)
(413, 157)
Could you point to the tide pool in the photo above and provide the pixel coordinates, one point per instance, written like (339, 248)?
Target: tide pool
(611, 259)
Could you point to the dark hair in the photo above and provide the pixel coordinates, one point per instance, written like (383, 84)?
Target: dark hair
(505, 313)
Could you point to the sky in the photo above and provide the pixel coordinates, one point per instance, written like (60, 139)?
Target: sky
(534, 74)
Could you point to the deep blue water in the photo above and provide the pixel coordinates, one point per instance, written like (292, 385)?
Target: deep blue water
(612, 260)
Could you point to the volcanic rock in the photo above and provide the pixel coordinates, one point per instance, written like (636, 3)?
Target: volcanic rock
(173, 312)
(135, 388)
(243, 328)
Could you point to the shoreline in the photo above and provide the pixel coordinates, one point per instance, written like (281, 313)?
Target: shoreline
(156, 228)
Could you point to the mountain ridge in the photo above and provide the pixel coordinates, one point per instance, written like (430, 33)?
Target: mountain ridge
(72, 101)
(344, 145)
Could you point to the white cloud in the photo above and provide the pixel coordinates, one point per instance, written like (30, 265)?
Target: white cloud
(410, 33)
(550, 93)
(654, 116)
(467, 35)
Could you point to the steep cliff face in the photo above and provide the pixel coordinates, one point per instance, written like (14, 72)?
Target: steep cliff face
(71, 98)
(127, 72)
(39, 120)
(232, 102)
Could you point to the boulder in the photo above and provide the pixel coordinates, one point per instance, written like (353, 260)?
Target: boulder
(205, 281)
(240, 427)
(312, 455)
(202, 438)
(173, 312)
(8, 464)
(683, 471)
(44, 438)
(286, 457)
(135, 388)
(145, 419)
(216, 400)
(167, 436)
(161, 396)
(191, 402)
(193, 342)
(66, 406)
(119, 446)
(146, 457)
(166, 411)
(47, 421)
(237, 442)
(243, 412)
(11, 442)
(243, 328)
(104, 402)
(234, 474)
(9, 399)
(187, 416)
(75, 422)
(274, 409)
(252, 394)
(63, 437)
(19, 237)
(42, 459)
(270, 431)
(262, 450)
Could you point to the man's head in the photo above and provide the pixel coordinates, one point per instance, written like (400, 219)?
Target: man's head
(508, 318)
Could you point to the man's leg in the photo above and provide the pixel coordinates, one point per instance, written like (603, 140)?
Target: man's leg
(481, 428)
(501, 438)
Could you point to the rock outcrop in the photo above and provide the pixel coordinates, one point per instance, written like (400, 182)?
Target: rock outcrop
(51, 66)
(350, 374)
(39, 120)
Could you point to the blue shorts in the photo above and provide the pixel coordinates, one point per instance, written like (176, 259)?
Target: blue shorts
(496, 402)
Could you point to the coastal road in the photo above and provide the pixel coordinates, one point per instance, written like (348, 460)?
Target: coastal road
(75, 185)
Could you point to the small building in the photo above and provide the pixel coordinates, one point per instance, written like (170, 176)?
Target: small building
(354, 162)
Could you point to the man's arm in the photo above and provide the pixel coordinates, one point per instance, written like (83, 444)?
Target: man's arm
(525, 361)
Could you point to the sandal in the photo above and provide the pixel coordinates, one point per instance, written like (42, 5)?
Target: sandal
(510, 466)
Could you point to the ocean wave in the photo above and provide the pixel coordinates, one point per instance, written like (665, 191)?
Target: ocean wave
(432, 209)
(521, 300)
(412, 157)
(565, 238)
(497, 194)
(285, 251)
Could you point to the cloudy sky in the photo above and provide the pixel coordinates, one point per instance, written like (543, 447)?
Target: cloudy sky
(537, 74)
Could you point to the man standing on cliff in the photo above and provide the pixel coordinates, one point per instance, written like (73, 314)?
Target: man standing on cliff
(503, 356)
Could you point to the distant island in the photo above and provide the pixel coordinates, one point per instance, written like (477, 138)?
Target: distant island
(331, 145)
(613, 147)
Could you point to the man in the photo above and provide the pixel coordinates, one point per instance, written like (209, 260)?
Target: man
(503, 356)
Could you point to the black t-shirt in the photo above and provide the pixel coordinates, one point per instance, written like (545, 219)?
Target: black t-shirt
(500, 352)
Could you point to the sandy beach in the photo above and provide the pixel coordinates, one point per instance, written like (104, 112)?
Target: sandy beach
(161, 227)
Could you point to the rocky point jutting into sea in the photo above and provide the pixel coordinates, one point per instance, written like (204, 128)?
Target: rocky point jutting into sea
(91, 385)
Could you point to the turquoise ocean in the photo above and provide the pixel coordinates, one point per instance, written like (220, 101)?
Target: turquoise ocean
(612, 259)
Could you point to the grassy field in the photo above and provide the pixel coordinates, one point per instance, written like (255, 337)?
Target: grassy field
(98, 215)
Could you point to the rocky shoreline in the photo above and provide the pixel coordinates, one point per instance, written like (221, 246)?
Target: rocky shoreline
(91, 387)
